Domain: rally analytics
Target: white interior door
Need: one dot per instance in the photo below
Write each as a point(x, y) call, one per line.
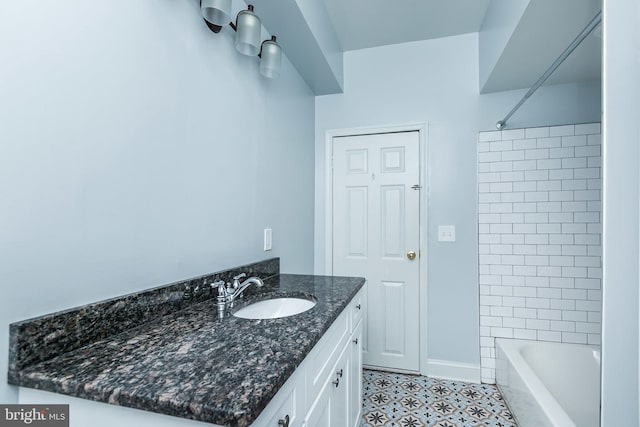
point(376, 226)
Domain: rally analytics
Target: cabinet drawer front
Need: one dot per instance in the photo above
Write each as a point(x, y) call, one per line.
point(358, 306)
point(323, 357)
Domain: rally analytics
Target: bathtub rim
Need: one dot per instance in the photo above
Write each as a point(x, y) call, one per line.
point(511, 348)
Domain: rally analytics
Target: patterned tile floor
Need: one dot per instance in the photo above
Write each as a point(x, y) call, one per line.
point(413, 401)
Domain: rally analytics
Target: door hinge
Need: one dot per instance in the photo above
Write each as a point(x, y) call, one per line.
point(416, 187)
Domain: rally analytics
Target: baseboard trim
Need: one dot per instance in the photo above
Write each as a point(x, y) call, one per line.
point(456, 371)
point(394, 370)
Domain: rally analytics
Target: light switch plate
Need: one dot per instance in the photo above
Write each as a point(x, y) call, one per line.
point(268, 239)
point(446, 233)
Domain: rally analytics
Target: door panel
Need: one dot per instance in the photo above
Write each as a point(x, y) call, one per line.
point(357, 161)
point(393, 301)
point(356, 219)
point(376, 216)
point(392, 160)
point(392, 232)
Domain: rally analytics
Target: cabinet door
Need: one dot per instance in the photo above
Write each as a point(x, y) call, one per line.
point(320, 413)
point(289, 408)
point(355, 384)
point(340, 394)
point(324, 357)
point(331, 408)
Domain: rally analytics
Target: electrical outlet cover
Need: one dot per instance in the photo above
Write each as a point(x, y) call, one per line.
point(268, 239)
point(446, 233)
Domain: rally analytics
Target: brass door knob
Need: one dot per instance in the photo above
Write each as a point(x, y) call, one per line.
point(411, 255)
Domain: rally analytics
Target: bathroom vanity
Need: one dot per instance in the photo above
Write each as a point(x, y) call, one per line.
point(185, 366)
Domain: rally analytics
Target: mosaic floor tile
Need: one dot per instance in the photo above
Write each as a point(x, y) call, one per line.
point(397, 400)
point(410, 421)
point(375, 418)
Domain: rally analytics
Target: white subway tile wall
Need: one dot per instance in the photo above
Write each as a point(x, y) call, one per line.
point(539, 213)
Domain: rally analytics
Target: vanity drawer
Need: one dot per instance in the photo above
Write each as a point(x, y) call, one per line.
point(358, 307)
point(323, 357)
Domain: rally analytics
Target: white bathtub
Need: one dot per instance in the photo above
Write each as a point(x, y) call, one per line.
point(549, 384)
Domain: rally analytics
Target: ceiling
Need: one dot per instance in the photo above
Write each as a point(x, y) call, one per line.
point(546, 28)
point(361, 24)
point(544, 31)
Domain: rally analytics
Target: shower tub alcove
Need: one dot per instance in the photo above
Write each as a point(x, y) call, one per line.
point(549, 384)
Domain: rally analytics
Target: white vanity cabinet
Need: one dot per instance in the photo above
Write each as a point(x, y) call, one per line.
point(325, 390)
point(339, 403)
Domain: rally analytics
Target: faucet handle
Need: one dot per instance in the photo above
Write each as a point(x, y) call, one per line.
point(223, 294)
point(236, 279)
point(217, 285)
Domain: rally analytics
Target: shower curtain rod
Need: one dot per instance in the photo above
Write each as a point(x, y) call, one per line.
point(574, 44)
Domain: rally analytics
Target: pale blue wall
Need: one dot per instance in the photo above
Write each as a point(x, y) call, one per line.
point(139, 148)
point(501, 19)
point(621, 214)
point(548, 106)
point(319, 22)
point(306, 35)
point(436, 81)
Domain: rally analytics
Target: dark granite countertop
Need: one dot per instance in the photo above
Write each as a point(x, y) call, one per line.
point(190, 364)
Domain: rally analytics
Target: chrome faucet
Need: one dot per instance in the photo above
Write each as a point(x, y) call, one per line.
point(238, 288)
point(228, 294)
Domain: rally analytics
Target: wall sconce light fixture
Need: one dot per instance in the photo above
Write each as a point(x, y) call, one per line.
point(270, 58)
point(216, 14)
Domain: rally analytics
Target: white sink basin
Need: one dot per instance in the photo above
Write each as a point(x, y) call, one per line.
point(275, 308)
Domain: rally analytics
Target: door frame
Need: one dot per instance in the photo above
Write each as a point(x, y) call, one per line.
point(422, 129)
